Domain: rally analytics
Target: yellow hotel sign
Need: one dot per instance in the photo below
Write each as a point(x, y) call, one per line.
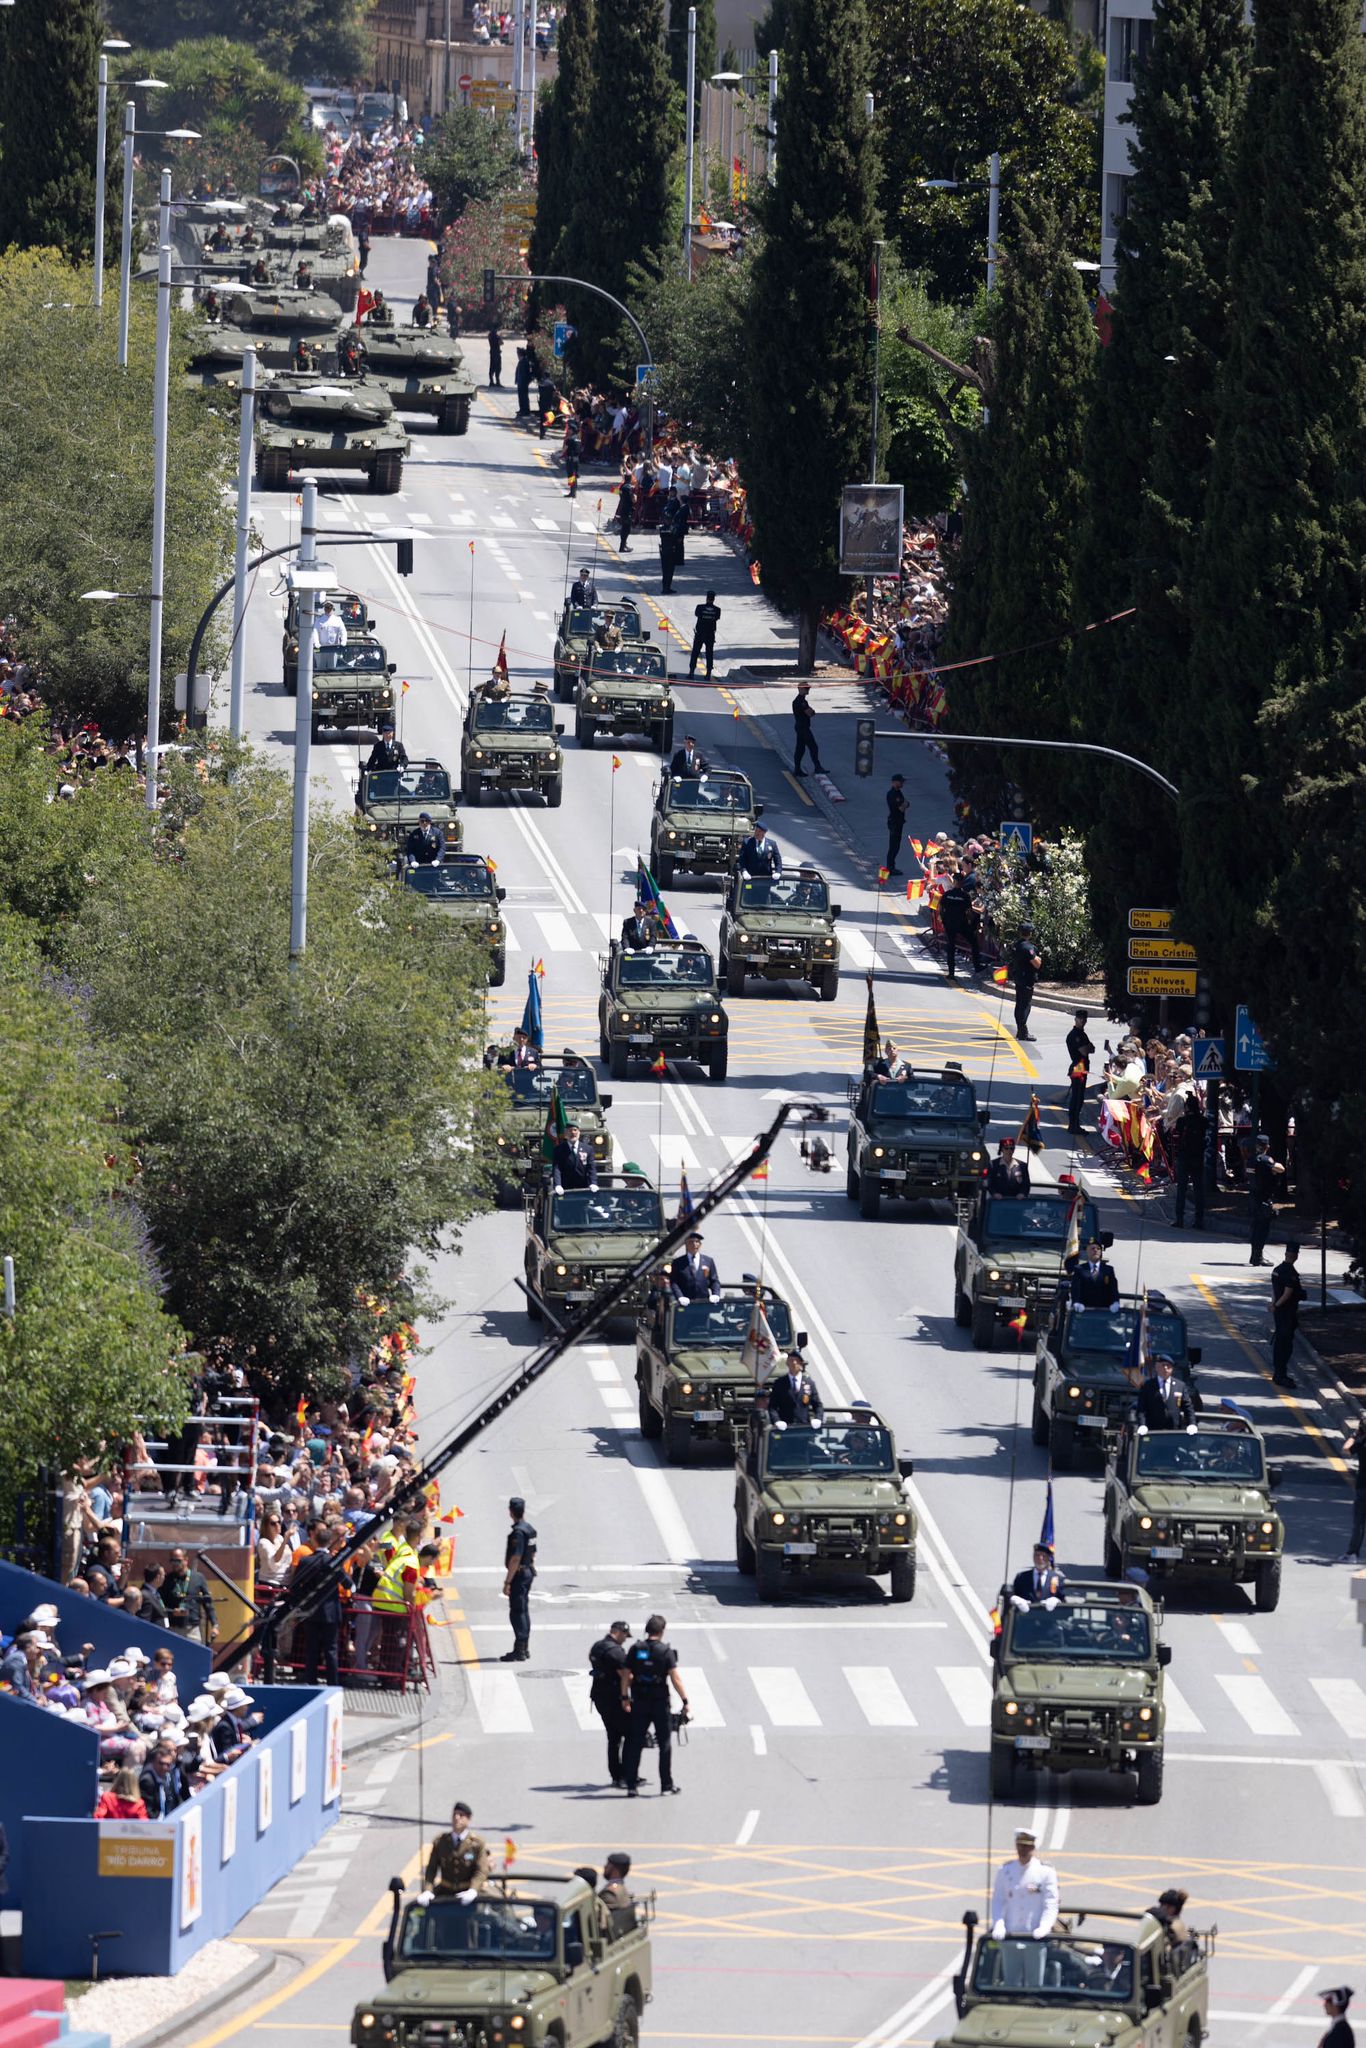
point(1161, 949)
point(1150, 920)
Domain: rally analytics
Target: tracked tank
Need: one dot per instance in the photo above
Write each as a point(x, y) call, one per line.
point(423, 371)
point(304, 422)
point(329, 249)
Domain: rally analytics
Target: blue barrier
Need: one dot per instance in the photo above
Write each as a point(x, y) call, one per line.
point(107, 1629)
point(47, 1765)
point(169, 1886)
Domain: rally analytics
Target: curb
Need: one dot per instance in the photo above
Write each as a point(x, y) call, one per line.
point(365, 1743)
point(204, 2008)
point(1325, 1382)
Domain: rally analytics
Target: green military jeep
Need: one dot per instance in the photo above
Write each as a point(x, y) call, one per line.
point(1099, 1976)
point(350, 609)
point(825, 1499)
point(511, 743)
point(700, 823)
point(534, 1959)
point(626, 689)
point(1080, 1688)
point(695, 1370)
point(520, 1163)
point(918, 1136)
point(462, 887)
point(577, 635)
point(663, 1003)
point(1085, 1376)
point(780, 928)
point(578, 1240)
point(1193, 1504)
point(351, 686)
point(1009, 1258)
point(389, 802)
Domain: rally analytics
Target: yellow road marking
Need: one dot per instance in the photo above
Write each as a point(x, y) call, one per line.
point(788, 776)
point(1287, 1399)
point(310, 1974)
point(999, 1028)
point(431, 1741)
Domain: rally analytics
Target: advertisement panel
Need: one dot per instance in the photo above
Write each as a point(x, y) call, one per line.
point(870, 530)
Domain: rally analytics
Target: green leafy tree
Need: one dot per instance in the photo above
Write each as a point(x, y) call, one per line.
point(1273, 817)
point(771, 29)
point(90, 1352)
point(49, 107)
point(53, 854)
point(678, 42)
point(621, 176)
point(561, 126)
point(244, 110)
point(328, 38)
point(469, 156)
point(1054, 896)
point(953, 81)
point(925, 427)
point(697, 332)
point(75, 491)
point(325, 1124)
point(1149, 441)
point(810, 374)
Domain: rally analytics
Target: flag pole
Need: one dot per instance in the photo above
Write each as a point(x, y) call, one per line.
point(471, 647)
point(611, 848)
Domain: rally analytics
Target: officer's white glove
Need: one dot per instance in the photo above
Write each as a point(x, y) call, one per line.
point(998, 1932)
point(1051, 1603)
point(1191, 1429)
point(1038, 1934)
point(424, 1898)
point(1019, 1603)
point(466, 1898)
point(777, 1424)
point(814, 1420)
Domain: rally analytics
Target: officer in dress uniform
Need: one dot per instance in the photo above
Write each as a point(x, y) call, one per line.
point(1163, 1402)
point(458, 1866)
point(573, 1164)
point(1041, 1583)
point(1024, 1902)
point(792, 1396)
point(1093, 1282)
point(519, 1569)
point(640, 932)
point(606, 1664)
point(761, 855)
point(693, 1276)
point(425, 844)
point(387, 752)
point(1335, 2004)
point(1008, 1175)
point(688, 759)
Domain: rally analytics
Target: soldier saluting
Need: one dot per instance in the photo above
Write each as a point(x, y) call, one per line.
point(458, 1867)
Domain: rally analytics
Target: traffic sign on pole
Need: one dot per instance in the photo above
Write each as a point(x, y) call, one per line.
point(465, 81)
point(1209, 1058)
point(1161, 949)
point(561, 335)
point(1250, 1055)
point(1161, 981)
point(1150, 920)
point(1017, 836)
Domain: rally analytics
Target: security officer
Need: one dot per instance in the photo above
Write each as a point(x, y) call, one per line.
point(1335, 2004)
point(626, 512)
point(955, 914)
point(1268, 1178)
point(519, 1569)
point(1025, 962)
point(387, 752)
point(640, 932)
point(651, 1668)
point(693, 1276)
point(761, 855)
point(803, 732)
point(1008, 1175)
point(1287, 1292)
point(708, 617)
point(673, 532)
point(792, 1396)
point(688, 759)
point(1093, 1280)
point(573, 1164)
point(897, 808)
point(1192, 1139)
point(458, 1866)
point(495, 357)
point(1079, 1051)
point(607, 1691)
point(425, 844)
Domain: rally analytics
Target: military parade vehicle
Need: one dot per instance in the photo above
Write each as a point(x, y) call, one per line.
point(917, 1136)
point(700, 823)
point(422, 370)
point(534, 1958)
point(390, 801)
point(511, 743)
point(696, 1367)
point(811, 1501)
point(1079, 1688)
point(522, 1126)
point(1195, 1504)
point(662, 1003)
point(463, 889)
point(1009, 1258)
point(780, 928)
point(328, 247)
point(577, 635)
point(626, 689)
point(1086, 1370)
point(305, 422)
point(1100, 1976)
point(349, 608)
point(578, 1240)
point(275, 318)
point(351, 686)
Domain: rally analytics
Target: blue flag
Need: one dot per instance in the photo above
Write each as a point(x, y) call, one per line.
point(684, 1197)
point(647, 888)
point(1137, 1349)
point(531, 1015)
point(1046, 1533)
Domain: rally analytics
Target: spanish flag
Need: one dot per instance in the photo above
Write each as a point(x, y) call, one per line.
point(1000, 975)
point(509, 1851)
point(761, 1171)
point(661, 1065)
point(918, 848)
point(500, 664)
point(883, 875)
point(616, 762)
point(755, 572)
point(1019, 1323)
point(301, 1413)
point(914, 890)
point(454, 1515)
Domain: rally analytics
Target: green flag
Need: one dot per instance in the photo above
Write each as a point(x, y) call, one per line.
point(872, 1043)
point(556, 1124)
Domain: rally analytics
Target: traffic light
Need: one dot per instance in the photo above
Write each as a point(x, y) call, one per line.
point(865, 730)
point(490, 288)
point(404, 550)
point(1202, 999)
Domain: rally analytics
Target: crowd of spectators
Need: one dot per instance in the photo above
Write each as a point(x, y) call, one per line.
point(489, 24)
point(900, 644)
point(376, 180)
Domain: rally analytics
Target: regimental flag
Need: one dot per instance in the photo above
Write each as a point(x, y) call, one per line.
point(500, 660)
point(872, 1037)
point(1028, 1133)
point(660, 1065)
point(759, 1353)
point(684, 1197)
point(556, 1126)
point(1137, 1350)
point(364, 301)
point(1072, 1248)
point(531, 1014)
point(1046, 1532)
point(648, 888)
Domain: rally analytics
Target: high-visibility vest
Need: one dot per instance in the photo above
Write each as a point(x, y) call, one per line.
point(391, 1594)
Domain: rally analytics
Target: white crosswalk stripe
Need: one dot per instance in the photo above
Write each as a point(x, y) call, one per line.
point(703, 1710)
point(557, 931)
point(970, 1690)
point(857, 950)
point(1346, 1702)
point(1341, 1789)
point(879, 1695)
point(1182, 1718)
point(1253, 1698)
point(499, 1703)
point(576, 1691)
point(785, 1699)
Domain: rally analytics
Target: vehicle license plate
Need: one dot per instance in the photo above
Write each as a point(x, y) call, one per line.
point(1031, 1742)
point(581, 1294)
point(640, 1038)
point(1011, 1301)
point(709, 1415)
point(1168, 1550)
point(1091, 1421)
point(799, 1550)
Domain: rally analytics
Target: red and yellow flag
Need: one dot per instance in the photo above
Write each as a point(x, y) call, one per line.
point(761, 1171)
point(616, 762)
point(1000, 975)
point(918, 848)
point(884, 874)
point(454, 1515)
point(509, 1851)
point(661, 1065)
point(301, 1413)
point(914, 891)
point(1019, 1323)
point(500, 660)
point(755, 572)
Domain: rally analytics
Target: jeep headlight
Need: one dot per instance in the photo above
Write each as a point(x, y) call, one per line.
point(714, 1017)
point(479, 753)
point(878, 1152)
point(828, 944)
point(553, 756)
point(993, 1273)
point(1145, 1521)
point(560, 1271)
point(1074, 1393)
point(365, 2019)
point(780, 1520)
point(1268, 1528)
point(1012, 1707)
point(685, 1387)
point(976, 1158)
point(501, 1142)
point(673, 835)
point(900, 1521)
point(592, 696)
point(495, 928)
point(516, 2022)
point(1145, 1713)
point(623, 1016)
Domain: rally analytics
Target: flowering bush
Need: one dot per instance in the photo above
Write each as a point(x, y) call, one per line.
point(1052, 892)
point(483, 239)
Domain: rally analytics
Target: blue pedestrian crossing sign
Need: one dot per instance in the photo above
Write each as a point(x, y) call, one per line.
point(1250, 1055)
point(1209, 1058)
point(1017, 836)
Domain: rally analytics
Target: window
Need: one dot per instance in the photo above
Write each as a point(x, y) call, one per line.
point(1130, 40)
point(1116, 201)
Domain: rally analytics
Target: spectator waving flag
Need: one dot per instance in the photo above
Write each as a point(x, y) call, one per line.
point(531, 1015)
point(759, 1354)
point(556, 1125)
point(647, 888)
point(1046, 1533)
point(364, 301)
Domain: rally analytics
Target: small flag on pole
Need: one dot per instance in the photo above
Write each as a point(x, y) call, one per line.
point(1046, 1532)
point(883, 875)
point(509, 1851)
point(471, 547)
point(761, 1171)
point(872, 1037)
point(1020, 1323)
point(405, 687)
point(759, 1354)
point(914, 890)
point(1000, 975)
point(684, 1197)
point(454, 1515)
point(660, 1066)
point(500, 662)
point(917, 845)
point(301, 1412)
point(616, 762)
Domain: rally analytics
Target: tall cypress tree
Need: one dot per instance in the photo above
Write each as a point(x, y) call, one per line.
point(810, 373)
point(1272, 833)
point(561, 117)
point(1149, 441)
point(678, 41)
point(49, 106)
point(619, 203)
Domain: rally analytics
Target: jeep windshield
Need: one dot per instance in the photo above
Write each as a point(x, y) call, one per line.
point(707, 794)
point(783, 892)
point(1057, 1969)
point(624, 1209)
point(950, 1102)
point(1107, 1331)
point(1230, 1460)
point(665, 970)
point(723, 1325)
point(533, 1084)
point(834, 1447)
point(353, 659)
point(1108, 1632)
point(487, 1931)
point(450, 884)
point(627, 661)
point(397, 785)
point(1034, 1219)
point(501, 714)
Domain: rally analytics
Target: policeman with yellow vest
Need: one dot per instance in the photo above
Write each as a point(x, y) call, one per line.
point(394, 1595)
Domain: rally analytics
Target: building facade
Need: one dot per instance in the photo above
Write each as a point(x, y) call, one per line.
point(422, 48)
point(1128, 35)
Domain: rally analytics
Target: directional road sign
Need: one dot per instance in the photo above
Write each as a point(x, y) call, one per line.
point(1250, 1055)
point(1161, 981)
point(1209, 1058)
point(1161, 949)
point(561, 336)
point(1017, 836)
point(1150, 920)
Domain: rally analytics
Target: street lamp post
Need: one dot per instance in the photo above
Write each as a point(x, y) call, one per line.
point(993, 219)
point(518, 23)
point(690, 144)
point(239, 603)
point(530, 79)
point(772, 114)
point(877, 379)
point(101, 155)
point(305, 580)
point(130, 131)
point(160, 409)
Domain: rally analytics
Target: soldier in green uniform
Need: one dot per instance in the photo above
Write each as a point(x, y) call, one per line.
point(458, 1866)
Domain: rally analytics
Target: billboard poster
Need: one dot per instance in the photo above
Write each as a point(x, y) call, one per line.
point(870, 530)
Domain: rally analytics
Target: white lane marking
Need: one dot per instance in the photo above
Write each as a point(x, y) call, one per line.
point(514, 944)
point(785, 1699)
point(499, 1703)
point(1182, 1718)
point(1297, 1984)
point(549, 864)
point(544, 617)
point(747, 1827)
point(856, 949)
point(970, 1691)
point(546, 525)
point(462, 518)
point(558, 934)
point(900, 2026)
point(501, 519)
point(1346, 1702)
point(387, 1768)
point(576, 1692)
point(604, 1369)
point(675, 1153)
point(1258, 1705)
point(760, 1741)
point(703, 1711)
point(667, 1515)
point(420, 518)
point(812, 1626)
point(1061, 1823)
point(376, 518)
point(1239, 1638)
point(881, 1698)
point(1041, 1816)
point(1340, 1789)
point(619, 1399)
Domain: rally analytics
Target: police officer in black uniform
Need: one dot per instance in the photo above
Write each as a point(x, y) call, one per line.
point(1025, 962)
point(673, 532)
point(652, 1667)
point(1335, 2004)
point(708, 617)
point(519, 1569)
point(897, 808)
point(760, 855)
point(955, 914)
point(1079, 1051)
point(607, 1664)
point(425, 844)
point(1287, 1292)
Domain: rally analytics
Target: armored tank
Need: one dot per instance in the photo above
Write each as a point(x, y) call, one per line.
point(285, 310)
point(306, 423)
point(422, 371)
point(329, 249)
point(270, 321)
